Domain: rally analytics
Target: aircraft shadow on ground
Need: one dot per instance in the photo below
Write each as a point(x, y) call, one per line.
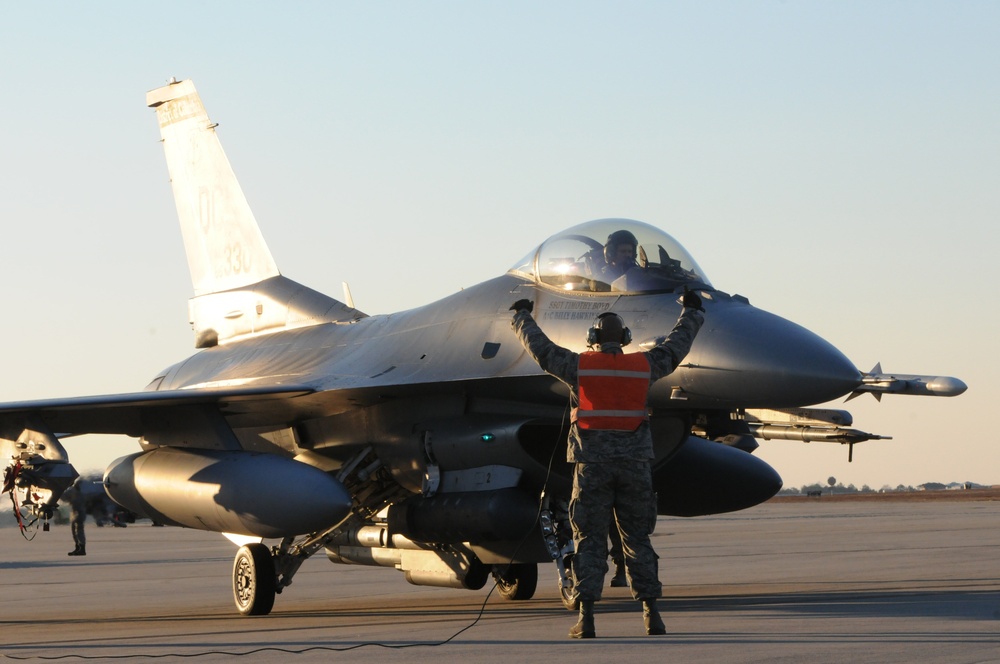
point(957, 604)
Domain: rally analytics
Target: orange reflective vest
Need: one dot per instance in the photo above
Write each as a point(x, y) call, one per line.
point(612, 389)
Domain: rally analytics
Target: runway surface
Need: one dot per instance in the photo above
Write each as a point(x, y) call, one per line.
point(783, 582)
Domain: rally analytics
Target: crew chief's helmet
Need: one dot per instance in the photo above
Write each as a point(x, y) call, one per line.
point(609, 326)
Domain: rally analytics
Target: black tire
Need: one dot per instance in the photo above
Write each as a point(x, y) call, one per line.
point(517, 581)
point(254, 580)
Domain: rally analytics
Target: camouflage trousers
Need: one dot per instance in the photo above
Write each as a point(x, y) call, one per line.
point(602, 492)
point(76, 528)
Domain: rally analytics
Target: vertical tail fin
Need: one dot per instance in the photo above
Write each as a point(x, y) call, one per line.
point(238, 289)
point(225, 248)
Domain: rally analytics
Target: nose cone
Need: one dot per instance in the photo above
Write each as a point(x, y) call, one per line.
point(749, 357)
point(946, 386)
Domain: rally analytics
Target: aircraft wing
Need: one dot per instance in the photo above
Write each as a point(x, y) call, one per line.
point(132, 413)
point(40, 470)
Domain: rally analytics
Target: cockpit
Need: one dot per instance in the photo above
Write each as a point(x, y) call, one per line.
point(612, 255)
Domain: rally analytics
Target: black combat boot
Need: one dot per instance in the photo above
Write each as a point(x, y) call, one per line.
point(78, 551)
point(651, 616)
point(584, 628)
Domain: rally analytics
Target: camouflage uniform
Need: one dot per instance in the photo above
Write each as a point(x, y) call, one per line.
point(77, 516)
point(612, 473)
point(615, 544)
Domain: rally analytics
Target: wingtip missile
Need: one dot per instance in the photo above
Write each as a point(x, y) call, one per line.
point(877, 383)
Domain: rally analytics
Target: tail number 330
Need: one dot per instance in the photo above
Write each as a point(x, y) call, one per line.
point(235, 260)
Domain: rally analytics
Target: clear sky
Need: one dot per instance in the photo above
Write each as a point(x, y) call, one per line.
point(835, 162)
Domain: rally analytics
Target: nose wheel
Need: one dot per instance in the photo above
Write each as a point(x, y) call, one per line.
point(254, 580)
point(567, 584)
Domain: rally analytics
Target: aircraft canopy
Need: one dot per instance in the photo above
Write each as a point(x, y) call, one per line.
point(581, 259)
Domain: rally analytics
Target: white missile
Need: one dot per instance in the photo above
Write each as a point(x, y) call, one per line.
point(877, 383)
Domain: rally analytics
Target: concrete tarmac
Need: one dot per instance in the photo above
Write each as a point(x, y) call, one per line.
point(783, 582)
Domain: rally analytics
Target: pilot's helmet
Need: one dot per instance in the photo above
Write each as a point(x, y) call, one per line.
point(609, 326)
point(615, 239)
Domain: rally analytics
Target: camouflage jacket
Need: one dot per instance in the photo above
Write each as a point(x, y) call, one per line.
point(595, 445)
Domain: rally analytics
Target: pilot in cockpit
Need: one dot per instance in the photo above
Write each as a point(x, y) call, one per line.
point(619, 255)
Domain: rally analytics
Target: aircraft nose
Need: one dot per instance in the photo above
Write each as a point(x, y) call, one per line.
point(748, 356)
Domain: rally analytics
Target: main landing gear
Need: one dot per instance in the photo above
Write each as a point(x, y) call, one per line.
point(254, 580)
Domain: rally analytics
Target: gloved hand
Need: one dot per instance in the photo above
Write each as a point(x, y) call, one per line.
point(527, 305)
point(691, 300)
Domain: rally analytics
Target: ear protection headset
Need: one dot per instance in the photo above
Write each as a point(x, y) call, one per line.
point(608, 323)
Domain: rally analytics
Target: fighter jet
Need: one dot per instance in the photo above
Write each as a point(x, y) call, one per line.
point(425, 440)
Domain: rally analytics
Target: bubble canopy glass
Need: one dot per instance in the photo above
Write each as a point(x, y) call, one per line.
point(579, 259)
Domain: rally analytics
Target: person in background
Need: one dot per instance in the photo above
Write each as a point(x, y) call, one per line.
point(77, 515)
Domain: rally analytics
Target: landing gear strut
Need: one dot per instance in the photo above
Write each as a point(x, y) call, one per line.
point(559, 541)
point(567, 585)
point(254, 580)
